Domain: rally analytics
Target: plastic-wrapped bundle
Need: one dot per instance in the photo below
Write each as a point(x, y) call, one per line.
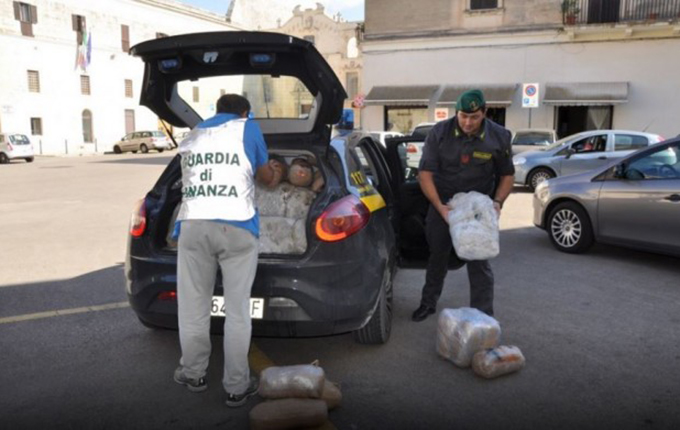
point(473, 224)
point(270, 201)
point(297, 202)
point(463, 332)
point(331, 394)
point(276, 236)
point(498, 361)
point(287, 414)
point(301, 381)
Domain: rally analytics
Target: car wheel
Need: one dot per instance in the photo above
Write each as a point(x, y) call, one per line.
point(569, 228)
point(4, 159)
point(117, 150)
point(29, 160)
point(539, 175)
point(160, 150)
point(379, 327)
point(143, 148)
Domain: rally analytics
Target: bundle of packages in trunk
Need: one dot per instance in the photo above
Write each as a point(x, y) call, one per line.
point(463, 332)
point(284, 414)
point(473, 224)
point(301, 381)
point(283, 218)
point(498, 361)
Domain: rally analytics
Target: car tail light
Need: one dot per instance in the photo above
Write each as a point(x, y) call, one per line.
point(138, 219)
point(168, 296)
point(411, 148)
point(342, 219)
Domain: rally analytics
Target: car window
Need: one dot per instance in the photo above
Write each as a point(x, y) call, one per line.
point(158, 134)
point(596, 143)
point(136, 136)
point(146, 134)
point(629, 142)
point(661, 164)
point(19, 139)
point(422, 131)
point(364, 164)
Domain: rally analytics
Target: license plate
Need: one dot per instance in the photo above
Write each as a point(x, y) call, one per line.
point(256, 307)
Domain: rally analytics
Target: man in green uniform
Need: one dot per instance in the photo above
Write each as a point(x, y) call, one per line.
point(465, 153)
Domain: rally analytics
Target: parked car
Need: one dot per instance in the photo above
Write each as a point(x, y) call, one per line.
point(531, 139)
point(143, 141)
point(180, 137)
point(578, 153)
point(381, 136)
point(351, 232)
point(414, 149)
point(15, 146)
point(632, 202)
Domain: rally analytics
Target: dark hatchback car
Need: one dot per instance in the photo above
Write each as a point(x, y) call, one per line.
point(327, 262)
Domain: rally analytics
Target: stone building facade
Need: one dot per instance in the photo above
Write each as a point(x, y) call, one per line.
point(68, 81)
point(598, 64)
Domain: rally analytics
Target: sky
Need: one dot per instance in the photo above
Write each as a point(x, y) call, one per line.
point(351, 10)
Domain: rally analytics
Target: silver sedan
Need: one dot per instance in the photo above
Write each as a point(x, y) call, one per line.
point(633, 202)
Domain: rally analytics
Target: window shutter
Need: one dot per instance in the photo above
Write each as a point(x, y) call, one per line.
point(125, 37)
point(17, 11)
point(74, 21)
point(34, 14)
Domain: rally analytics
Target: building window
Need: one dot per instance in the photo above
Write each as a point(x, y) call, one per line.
point(352, 84)
point(483, 4)
point(129, 121)
point(33, 81)
point(128, 88)
point(27, 15)
point(125, 37)
point(196, 95)
point(161, 35)
point(85, 85)
point(309, 38)
point(352, 48)
point(36, 126)
point(87, 126)
point(79, 26)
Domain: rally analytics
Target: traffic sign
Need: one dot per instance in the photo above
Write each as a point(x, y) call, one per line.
point(530, 95)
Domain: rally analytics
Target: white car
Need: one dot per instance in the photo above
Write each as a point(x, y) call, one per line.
point(143, 141)
point(15, 146)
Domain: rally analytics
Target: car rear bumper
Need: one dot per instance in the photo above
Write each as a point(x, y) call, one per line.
point(330, 298)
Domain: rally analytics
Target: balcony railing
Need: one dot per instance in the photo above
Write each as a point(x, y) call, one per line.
point(578, 12)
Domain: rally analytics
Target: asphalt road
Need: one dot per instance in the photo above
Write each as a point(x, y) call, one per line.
point(599, 331)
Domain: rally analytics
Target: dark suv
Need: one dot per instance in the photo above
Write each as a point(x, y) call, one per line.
point(327, 257)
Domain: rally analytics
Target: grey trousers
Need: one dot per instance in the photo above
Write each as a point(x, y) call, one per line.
point(479, 272)
point(202, 246)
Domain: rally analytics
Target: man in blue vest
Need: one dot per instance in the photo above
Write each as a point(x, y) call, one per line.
point(221, 159)
point(465, 153)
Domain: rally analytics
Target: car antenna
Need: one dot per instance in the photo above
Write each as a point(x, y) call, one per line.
point(644, 130)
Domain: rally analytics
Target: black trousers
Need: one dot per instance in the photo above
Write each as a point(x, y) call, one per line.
point(479, 272)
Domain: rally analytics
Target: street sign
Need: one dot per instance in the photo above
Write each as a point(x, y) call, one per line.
point(441, 114)
point(529, 95)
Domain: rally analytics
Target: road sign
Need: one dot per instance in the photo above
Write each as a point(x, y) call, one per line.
point(529, 95)
point(440, 114)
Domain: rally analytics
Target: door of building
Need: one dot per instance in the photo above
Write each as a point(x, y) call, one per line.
point(575, 119)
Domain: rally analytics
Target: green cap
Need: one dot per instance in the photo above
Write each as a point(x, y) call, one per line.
point(470, 101)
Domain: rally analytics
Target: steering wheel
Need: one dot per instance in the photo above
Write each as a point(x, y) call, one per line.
point(668, 171)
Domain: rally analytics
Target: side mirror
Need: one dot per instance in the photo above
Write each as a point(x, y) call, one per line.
point(620, 171)
point(570, 152)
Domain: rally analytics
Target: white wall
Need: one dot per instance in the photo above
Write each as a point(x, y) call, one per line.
point(52, 52)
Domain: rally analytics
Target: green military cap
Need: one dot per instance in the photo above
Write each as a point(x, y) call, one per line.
point(470, 101)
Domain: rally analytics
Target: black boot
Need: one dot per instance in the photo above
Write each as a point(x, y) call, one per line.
point(422, 312)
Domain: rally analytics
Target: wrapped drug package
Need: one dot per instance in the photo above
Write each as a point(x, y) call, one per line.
point(498, 361)
point(463, 332)
point(473, 224)
point(287, 414)
point(301, 381)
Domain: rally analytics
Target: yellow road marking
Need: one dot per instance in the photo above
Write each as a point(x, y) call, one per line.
point(60, 312)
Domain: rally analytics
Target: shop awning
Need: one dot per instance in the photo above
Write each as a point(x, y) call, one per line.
point(586, 93)
point(401, 95)
point(495, 95)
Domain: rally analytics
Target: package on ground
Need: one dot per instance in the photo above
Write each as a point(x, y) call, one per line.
point(463, 332)
point(331, 395)
point(498, 361)
point(287, 414)
point(301, 381)
point(473, 224)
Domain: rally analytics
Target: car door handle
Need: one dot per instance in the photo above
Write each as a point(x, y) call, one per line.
point(602, 157)
point(673, 198)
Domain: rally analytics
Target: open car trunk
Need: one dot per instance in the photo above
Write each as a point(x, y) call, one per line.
point(284, 212)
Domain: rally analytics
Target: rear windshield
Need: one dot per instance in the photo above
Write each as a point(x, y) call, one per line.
point(279, 97)
point(19, 139)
